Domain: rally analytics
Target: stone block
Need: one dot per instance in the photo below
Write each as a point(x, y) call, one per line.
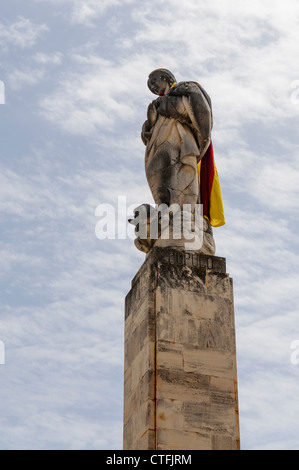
point(180, 381)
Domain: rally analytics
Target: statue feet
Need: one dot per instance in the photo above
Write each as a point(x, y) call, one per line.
point(165, 226)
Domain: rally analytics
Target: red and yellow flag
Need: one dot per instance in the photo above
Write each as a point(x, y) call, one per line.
point(210, 189)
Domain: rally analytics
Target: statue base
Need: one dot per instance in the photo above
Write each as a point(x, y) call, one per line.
point(185, 230)
point(180, 378)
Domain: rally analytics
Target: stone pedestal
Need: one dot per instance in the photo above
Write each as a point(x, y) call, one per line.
point(180, 390)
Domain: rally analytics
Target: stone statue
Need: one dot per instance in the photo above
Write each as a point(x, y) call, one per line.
point(177, 135)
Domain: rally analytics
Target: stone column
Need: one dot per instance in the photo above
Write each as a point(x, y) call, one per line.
point(180, 389)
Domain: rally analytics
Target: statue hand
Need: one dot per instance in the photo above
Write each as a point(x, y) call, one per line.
point(152, 113)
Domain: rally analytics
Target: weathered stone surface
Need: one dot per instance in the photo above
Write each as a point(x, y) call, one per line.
point(180, 358)
point(182, 440)
point(178, 166)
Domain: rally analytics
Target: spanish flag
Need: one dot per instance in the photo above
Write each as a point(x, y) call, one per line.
point(210, 189)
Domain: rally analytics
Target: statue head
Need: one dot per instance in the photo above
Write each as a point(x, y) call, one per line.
point(160, 80)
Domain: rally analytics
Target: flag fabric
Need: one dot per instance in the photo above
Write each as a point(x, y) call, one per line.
point(210, 189)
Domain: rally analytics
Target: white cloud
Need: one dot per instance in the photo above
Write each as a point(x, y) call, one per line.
point(233, 54)
point(21, 33)
point(244, 56)
point(51, 59)
point(75, 333)
point(87, 11)
point(277, 186)
point(19, 78)
point(99, 97)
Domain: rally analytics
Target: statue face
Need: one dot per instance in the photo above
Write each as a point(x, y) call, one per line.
point(157, 84)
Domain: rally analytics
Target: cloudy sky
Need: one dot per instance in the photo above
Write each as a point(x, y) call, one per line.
point(75, 74)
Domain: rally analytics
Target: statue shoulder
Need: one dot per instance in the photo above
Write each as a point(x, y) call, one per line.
point(184, 89)
point(192, 89)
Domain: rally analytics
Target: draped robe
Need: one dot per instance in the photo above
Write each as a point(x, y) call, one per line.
point(177, 135)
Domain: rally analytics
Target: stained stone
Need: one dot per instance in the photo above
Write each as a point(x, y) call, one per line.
point(180, 388)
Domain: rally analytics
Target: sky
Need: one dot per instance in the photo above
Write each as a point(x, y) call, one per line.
point(75, 74)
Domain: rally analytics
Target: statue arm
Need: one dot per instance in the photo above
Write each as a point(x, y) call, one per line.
point(201, 118)
point(199, 108)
